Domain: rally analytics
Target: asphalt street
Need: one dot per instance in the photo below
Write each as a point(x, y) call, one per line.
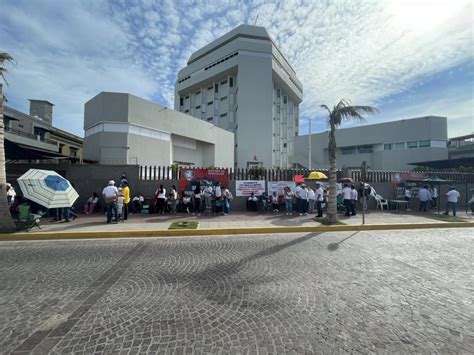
point(394, 291)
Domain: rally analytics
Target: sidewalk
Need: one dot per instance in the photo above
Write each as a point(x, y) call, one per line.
point(232, 224)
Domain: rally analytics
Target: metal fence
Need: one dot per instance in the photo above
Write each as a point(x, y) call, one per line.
point(156, 173)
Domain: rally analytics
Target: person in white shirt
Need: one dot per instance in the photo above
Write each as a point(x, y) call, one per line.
point(299, 204)
point(304, 200)
point(424, 196)
point(288, 201)
point(110, 195)
point(173, 199)
point(319, 196)
point(137, 203)
point(120, 203)
point(274, 201)
point(208, 192)
point(346, 195)
point(227, 200)
point(453, 197)
point(354, 197)
point(252, 202)
point(160, 195)
point(311, 200)
point(434, 196)
point(11, 193)
point(91, 203)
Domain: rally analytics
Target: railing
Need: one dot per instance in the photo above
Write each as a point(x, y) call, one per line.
point(29, 135)
point(386, 176)
point(148, 172)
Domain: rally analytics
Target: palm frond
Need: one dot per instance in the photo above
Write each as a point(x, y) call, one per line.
point(326, 108)
point(354, 112)
point(4, 58)
point(343, 103)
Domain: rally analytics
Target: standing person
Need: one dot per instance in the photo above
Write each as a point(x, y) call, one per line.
point(160, 195)
point(110, 195)
point(92, 201)
point(288, 201)
point(122, 179)
point(319, 196)
point(11, 193)
point(471, 203)
point(346, 195)
point(208, 198)
point(298, 190)
point(126, 198)
point(424, 196)
point(120, 204)
point(407, 197)
point(173, 199)
point(219, 199)
point(434, 196)
point(304, 200)
point(197, 199)
point(227, 200)
point(311, 200)
point(263, 202)
point(354, 198)
point(453, 197)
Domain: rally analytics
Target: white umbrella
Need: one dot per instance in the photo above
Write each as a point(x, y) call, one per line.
point(47, 188)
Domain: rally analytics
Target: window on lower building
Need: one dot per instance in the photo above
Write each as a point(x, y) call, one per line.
point(187, 97)
point(181, 101)
point(387, 146)
point(284, 145)
point(364, 149)
point(223, 98)
point(209, 88)
point(285, 99)
point(210, 103)
point(198, 92)
point(210, 118)
point(198, 107)
point(412, 144)
point(216, 88)
point(348, 150)
point(223, 82)
point(186, 111)
point(223, 115)
point(231, 82)
point(423, 144)
point(278, 92)
point(400, 145)
point(73, 152)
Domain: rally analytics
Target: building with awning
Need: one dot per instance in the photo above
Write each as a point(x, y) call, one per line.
point(33, 137)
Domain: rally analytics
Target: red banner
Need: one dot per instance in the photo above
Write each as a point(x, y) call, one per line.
point(189, 178)
point(399, 183)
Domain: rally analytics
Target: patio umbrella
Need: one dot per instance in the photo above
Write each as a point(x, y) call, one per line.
point(346, 180)
point(316, 175)
point(47, 188)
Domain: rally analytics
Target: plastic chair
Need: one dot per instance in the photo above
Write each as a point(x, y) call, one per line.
point(27, 220)
point(381, 202)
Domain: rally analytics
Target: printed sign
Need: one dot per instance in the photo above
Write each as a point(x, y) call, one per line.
point(279, 186)
point(246, 187)
point(189, 178)
point(399, 184)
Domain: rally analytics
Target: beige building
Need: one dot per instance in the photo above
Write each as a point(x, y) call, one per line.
point(33, 137)
point(125, 129)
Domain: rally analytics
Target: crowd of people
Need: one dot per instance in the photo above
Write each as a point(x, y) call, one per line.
point(428, 198)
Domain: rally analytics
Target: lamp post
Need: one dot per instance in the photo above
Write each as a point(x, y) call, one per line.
point(309, 145)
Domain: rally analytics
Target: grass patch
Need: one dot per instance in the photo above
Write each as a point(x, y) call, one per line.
point(445, 218)
point(325, 222)
point(184, 225)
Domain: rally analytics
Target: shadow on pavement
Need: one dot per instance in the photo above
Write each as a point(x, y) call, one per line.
point(335, 246)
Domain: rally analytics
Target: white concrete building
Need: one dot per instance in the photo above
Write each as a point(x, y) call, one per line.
point(242, 83)
point(383, 146)
point(125, 129)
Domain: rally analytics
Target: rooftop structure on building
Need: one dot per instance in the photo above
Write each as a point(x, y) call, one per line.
point(33, 137)
point(125, 129)
point(384, 146)
point(241, 82)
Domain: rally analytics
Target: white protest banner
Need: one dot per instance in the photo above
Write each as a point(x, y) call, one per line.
point(279, 186)
point(246, 187)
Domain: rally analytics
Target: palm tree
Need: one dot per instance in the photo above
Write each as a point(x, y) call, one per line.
point(6, 222)
point(341, 112)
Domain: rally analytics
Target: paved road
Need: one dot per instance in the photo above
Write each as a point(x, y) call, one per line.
point(365, 292)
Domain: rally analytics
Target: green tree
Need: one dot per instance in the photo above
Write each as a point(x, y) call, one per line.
point(343, 111)
point(6, 222)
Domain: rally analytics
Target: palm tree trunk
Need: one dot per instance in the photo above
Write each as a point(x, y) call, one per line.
point(332, 198)
point(6, 221)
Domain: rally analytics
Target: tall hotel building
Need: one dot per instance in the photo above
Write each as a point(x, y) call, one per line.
point(241, 82)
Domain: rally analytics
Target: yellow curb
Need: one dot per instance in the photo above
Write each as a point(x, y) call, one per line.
point(223, 231)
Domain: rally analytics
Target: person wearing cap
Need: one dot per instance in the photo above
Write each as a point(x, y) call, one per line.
point(110, 195)
point(453, 197)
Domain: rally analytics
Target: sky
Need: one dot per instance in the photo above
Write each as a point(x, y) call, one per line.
point(408, 58)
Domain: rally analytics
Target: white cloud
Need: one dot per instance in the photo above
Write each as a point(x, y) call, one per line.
point(363, 50)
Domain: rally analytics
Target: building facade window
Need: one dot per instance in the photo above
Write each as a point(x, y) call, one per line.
point(231, 82)
point(348, 150)
point(364, 149)
point(413, 144)
point(425, 143)
point(181, 101)
point(216, 88)
point(73, 152)
point(387, 146)
point(400, 145)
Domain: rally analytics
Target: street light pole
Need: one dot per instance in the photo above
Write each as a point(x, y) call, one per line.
point(309, 145)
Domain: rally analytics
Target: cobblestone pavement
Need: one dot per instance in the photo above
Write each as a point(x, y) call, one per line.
point(383, 292)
